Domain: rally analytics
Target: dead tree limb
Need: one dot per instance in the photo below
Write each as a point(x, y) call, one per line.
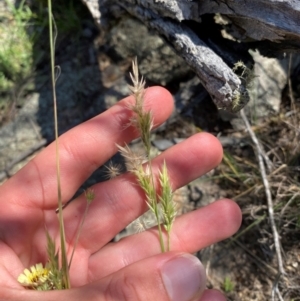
point(220, 81)
point(198, 30)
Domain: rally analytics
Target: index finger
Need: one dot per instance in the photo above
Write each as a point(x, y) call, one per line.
point(82, 150)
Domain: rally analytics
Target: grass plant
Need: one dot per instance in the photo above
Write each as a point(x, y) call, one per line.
point(240, 178)
point(54, 275)
point(162, 205)
point(228, 285)
point(65, 278)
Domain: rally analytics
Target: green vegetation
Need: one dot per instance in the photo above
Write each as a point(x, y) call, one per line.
point(25, 43)
point(142, 120)
point(16, 48)
point(228, 285)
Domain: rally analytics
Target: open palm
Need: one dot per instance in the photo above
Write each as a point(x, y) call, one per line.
point(128, 269)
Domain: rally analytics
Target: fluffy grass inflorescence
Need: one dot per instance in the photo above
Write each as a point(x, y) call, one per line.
point(142, 120)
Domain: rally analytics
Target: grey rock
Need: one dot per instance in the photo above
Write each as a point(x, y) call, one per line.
point(162, 144)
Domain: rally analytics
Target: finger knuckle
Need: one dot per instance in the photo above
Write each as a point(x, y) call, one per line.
point(123, 289)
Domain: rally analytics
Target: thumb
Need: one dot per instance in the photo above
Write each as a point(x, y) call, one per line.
point(165, 277)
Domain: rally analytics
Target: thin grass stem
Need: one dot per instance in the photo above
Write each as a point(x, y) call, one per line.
point(79, 232)
point(64, 260)
point(155, 205)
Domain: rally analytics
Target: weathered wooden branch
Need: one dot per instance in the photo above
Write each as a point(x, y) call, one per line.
point(219, 80)
point(272, 26)
point(272, 20)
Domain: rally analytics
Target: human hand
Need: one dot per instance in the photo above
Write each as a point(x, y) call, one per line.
point(133, 268)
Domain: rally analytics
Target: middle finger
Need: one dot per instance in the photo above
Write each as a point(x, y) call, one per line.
point(120, 201)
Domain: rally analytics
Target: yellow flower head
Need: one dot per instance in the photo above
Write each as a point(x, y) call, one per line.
point(34, 277)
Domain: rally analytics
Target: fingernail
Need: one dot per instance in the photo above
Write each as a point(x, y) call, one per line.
point(183, 277)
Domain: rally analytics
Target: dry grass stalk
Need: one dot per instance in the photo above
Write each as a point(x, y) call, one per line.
point(268, 194)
